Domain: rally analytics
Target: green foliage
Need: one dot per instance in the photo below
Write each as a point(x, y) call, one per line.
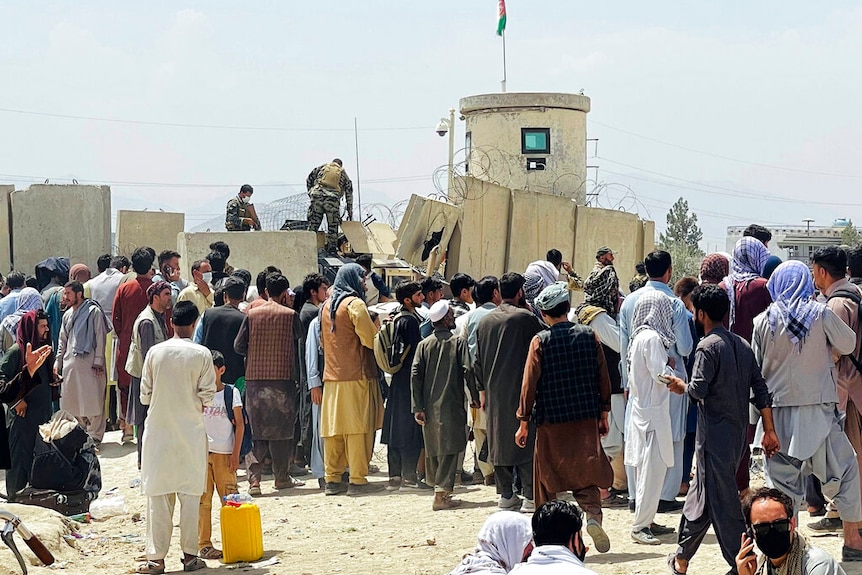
point(681, 239)
point(850, 236)
point(682, 226)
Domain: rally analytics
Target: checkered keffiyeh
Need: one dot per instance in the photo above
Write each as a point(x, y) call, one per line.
point(539, 275)
point(749, 257)
point(714, 268)
point(602, 289)
point(792, 289)
point(654, 310)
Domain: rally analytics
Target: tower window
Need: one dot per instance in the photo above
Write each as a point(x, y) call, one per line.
point(535, 140)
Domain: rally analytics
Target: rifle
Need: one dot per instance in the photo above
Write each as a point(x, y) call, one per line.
point(251, 213)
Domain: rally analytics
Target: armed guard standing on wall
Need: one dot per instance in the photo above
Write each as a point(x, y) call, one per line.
point(240, 215)
point(326, 184)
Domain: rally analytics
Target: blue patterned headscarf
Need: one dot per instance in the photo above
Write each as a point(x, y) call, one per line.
point(749, 258)
point(348, 283)
point(792, 289)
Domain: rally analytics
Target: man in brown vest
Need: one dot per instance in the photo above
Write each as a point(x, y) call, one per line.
point(352, 408)
point(267, 340)
point(149, 329)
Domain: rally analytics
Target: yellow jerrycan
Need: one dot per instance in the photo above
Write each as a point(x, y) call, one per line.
point(241, 533)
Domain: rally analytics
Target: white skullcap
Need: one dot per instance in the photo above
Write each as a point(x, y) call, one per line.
point(438, 310)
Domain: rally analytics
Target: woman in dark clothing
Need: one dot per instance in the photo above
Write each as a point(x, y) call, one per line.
point(27, 387)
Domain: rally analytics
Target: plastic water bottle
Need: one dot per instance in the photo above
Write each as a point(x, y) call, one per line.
point(238, 498)
point(108, 507)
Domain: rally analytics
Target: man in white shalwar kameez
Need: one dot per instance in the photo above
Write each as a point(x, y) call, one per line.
point(81, 360)
point(178, 380)
point(649, 440)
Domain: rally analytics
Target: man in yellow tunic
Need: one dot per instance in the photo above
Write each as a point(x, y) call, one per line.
point(352, 408)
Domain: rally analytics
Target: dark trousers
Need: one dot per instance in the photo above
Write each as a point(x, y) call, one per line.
point(139, 434)
point(814, 492)
point(504, 477)
point(721, 509)
point(22, 442)
point(688, 456)
point(441, 470)
point(281, 451)
point(403, 462)
point(743, 474)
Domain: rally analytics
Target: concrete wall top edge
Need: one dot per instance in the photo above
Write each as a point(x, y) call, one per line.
point(481, 102)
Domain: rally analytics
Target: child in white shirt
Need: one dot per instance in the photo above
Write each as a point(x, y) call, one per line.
point(224, 447)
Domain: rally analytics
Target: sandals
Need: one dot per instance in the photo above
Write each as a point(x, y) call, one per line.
point(671, 563)
point(151, 568)
point(210, 553)
point(193, 564)
point(292, 482)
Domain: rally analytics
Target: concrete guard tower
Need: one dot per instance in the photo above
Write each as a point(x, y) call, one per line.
point(533, 141)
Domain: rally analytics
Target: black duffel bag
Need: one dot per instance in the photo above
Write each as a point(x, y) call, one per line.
point(64, 502)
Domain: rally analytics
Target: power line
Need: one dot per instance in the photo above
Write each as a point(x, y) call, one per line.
point(198, 185)
point(724, 191)
point(205, 126)
point(728, 158)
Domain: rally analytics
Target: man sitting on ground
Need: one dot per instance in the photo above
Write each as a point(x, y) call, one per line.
point(560, 546)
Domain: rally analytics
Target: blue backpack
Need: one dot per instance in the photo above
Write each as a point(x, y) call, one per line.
point(245, 449)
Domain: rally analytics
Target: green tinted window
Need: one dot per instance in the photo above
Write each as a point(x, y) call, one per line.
point(535, 141)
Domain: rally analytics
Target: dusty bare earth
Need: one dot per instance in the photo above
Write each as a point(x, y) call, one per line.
point(310, 534)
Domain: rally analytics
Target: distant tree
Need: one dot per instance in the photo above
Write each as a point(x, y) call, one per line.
point(681, 226)
point(681, 239)
point(850, 236)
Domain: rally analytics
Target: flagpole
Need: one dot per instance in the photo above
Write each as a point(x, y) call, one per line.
point(503, 83)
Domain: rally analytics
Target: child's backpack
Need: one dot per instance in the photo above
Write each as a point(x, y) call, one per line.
point(245, 449)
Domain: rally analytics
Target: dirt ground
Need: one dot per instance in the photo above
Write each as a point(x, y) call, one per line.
point(308, 533)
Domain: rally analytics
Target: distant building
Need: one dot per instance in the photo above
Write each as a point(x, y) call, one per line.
point(792, 242)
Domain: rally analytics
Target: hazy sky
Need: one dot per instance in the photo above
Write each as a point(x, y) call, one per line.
point(759, 101)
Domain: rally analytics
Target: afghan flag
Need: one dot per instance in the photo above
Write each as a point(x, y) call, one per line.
point(501, 17)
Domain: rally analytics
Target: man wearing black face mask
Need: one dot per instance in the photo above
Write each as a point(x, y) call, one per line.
point(770, 519)
point(560, 547)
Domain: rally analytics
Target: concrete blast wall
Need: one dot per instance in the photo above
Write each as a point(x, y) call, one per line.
point(478, 246)
point(630, 237)
point(504, 230)
point(539, 223)
point(157, 230)
point(5, 229)
point(70, 221)
point(294, 253)
point(422, 218)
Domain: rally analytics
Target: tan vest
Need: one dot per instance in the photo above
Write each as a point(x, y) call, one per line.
point(330, 177)
point(135, 361)
point(345, 358)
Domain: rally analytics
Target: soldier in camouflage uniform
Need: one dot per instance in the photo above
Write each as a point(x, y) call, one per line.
point(326, 184)
point(236, 219)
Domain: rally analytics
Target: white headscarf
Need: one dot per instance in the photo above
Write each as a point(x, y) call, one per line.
point(654, 310)
point(502, 540)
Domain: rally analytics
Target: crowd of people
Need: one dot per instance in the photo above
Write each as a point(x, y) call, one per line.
point(625, 400)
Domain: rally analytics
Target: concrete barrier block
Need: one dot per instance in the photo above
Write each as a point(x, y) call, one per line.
point(5, 229)
point(539, 222)
point(157, 230)
point(294, 253)
point(71, 221)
